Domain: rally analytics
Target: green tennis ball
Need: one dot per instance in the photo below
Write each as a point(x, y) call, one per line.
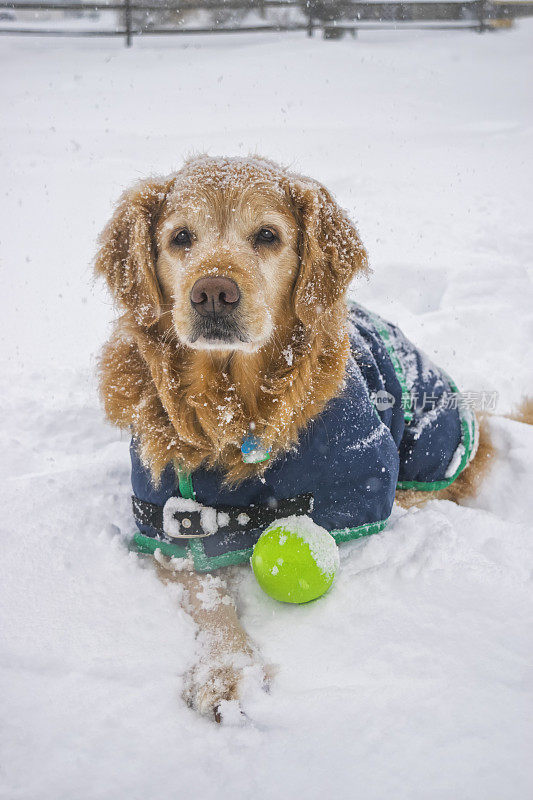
point(295, 560)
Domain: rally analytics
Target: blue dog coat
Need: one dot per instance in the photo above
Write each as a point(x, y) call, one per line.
point(397, 423)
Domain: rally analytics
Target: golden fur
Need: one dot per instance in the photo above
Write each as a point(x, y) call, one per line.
point(524, 412)
point(194, 405)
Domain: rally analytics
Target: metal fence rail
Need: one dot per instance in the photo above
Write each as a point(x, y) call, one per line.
point(334, 19)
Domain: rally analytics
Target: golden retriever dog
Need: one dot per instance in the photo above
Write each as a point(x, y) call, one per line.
point(219, 271)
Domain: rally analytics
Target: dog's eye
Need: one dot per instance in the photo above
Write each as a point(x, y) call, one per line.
point(182, 238)
point(265, 236)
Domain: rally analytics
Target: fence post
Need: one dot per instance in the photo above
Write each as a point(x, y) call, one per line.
point(481, 16)
point(308, 5)
point(127, 19)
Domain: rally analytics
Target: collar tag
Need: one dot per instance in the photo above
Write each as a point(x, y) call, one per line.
point(253, 452)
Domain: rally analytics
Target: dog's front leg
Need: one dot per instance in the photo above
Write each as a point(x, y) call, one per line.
point(226, 655)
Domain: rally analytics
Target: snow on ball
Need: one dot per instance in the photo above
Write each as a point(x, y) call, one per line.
point(295, 560)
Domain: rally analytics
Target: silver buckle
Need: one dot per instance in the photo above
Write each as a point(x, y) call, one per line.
point(173, 527)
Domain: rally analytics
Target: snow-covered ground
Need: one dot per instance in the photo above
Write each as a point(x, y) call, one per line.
point(410, 679)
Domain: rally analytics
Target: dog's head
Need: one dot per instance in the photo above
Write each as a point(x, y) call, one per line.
point(229, 250)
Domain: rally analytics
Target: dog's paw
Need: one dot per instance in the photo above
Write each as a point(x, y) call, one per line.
point(209, 689)
point(215, 688)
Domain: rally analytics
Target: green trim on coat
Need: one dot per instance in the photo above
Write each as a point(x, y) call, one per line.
point(396, 363)
point(468, 419)
point(468, 443)
point(204, 563)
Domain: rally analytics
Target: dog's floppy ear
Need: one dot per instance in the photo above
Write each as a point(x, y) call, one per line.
point(330, 250)
point(127, 254)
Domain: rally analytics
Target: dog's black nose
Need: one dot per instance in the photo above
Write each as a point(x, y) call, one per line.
point(216, 296)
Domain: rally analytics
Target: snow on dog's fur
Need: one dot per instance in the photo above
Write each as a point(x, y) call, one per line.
point(192, 404)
